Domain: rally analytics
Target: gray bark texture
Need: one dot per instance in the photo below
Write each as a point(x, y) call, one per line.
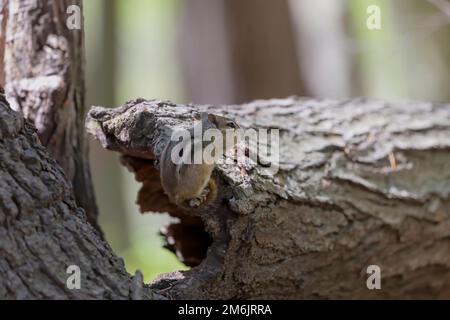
point(360, 183)
point(44, 76)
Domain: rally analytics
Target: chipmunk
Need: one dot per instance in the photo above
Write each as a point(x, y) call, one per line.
point(190, 185)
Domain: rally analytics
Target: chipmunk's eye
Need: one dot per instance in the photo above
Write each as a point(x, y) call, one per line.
point(231, 125)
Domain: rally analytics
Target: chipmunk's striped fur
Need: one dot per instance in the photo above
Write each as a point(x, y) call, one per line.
point(190, 185)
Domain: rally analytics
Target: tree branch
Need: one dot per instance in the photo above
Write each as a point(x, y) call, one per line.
point(360, 182)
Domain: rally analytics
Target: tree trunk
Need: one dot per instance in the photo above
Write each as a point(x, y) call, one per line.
point(360, 183)
point(3, 20)
point(326, 63)
point(101, 79)
point(45, 80)
point(43, 231)
point(222, 66)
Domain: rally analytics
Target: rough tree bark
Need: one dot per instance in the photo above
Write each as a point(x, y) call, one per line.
point(336, 206)
point(360, 183)
point(44, 75)
point(43, 231)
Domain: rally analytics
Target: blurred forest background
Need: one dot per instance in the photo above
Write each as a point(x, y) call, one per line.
point(233, 51)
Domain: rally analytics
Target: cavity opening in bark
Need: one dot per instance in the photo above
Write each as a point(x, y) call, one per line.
point(186, 237)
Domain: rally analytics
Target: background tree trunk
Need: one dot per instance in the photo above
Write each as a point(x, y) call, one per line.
point(223, 66)
point(3, 20)
point(44, 73)
point(326, 63)
point(101, 83)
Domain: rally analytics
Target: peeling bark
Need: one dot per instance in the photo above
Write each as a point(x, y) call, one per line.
point(360, 183)
point(45, 81)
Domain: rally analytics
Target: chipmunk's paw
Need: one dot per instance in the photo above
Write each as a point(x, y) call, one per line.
point(196, 202)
